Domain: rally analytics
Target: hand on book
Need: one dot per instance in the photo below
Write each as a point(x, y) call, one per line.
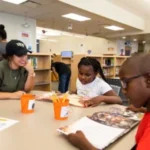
point(79, 140)
point(93, 102)
point(134, 109)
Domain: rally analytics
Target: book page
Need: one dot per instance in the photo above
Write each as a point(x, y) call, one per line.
point(113, 120)
point(74, 100)
point(98, 134)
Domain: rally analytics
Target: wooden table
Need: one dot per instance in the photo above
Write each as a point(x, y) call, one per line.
point(37, 131)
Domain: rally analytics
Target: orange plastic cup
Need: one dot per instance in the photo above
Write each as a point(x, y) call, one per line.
point(61, 110)
point(27, 103)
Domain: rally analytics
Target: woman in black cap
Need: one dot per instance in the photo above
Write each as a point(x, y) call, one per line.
point(3, 41)
point(16, 75)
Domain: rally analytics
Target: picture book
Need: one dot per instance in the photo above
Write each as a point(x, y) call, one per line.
point(102, 128)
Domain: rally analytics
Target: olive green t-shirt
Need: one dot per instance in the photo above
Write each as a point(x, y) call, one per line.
point(11, 80)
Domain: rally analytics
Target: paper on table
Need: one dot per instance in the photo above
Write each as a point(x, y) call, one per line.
point(6, 123)
point(98, 134)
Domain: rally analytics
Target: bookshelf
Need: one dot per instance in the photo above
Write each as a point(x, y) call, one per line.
point(110, 64)
point(119, 60)
point(42, 64)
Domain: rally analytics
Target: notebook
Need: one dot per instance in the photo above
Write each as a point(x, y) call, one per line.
point(102, 128)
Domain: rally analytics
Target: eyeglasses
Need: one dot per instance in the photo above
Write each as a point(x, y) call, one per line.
point(124, 82)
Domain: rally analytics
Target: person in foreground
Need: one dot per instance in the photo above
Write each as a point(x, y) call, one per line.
point(135, 78)
point(16, 75)
point(93, 87)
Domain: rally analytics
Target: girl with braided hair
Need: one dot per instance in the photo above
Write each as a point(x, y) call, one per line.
point(89, 85)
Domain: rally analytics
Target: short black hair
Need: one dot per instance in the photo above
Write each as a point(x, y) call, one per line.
point(3, 34)
point(89, 61)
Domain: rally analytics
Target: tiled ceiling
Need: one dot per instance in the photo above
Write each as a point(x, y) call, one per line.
point(48, 14)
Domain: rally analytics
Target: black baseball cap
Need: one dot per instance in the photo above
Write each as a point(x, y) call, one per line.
point(16, 47)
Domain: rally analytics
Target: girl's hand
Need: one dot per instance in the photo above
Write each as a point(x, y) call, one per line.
point(93, 102)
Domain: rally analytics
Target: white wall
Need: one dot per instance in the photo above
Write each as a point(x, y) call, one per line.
point(78, 45)
point(13, 27)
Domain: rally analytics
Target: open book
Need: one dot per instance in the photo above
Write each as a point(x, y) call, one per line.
point(102, 128)
point(73, 98)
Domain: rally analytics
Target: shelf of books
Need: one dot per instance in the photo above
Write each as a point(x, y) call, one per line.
point(42, 66)
point(110, 64)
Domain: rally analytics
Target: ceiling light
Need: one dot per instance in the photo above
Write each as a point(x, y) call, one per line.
point(144, 42)
point(124, 37)
point(114, 28)
point(17, 2)
point(76, 17)
point(134, 40)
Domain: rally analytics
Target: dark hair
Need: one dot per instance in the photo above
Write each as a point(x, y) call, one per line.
point(88, 61)
point(3, 34)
